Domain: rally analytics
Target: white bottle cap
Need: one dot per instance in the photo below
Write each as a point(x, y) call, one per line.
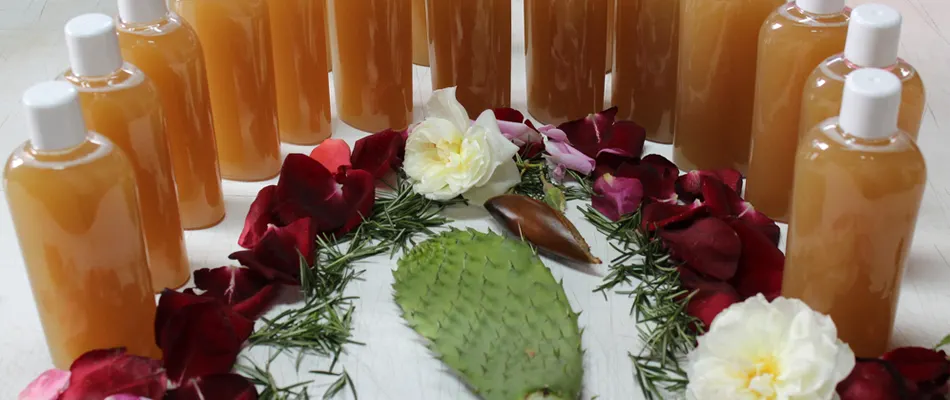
point(142, 11)
point(54, 116)
point(874, 36)
point(870, 104)
point(93, 45)
point(820, 6)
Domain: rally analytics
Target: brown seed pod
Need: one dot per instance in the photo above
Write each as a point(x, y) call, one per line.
point(540, 225)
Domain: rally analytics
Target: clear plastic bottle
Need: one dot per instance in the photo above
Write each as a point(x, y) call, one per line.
point(72, 198)
point(858, 185)
point(793, 40)
point(471, 50)
point(566, 45)
point(122, 104)
point(303, 89)
point(718, 41)
point(420, 35)
point(645, 60)
point(372, 62)
point(873, 40)
point(168, 51)
point(235, 38)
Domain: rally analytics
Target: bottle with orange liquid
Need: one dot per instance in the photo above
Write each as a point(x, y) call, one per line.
point(372, 62)
point(793, 40)
point(611, 32)
point(326, 34)
point(718, 42)
point(303, 89)
point(873, 40)
point(859, 181)
point(72, 198)
point(167, 50)
point(122, 104)
point(471, 50)
point(235, 39)
point(644, 80)
point(566, 44)
point(420, 35)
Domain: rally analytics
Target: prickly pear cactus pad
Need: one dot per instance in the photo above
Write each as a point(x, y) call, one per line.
point(493, 313)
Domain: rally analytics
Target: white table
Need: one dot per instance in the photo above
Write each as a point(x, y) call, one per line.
point(394, 363)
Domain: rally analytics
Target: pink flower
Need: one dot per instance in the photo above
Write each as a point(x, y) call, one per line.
point(563, 155)
point(615, 197)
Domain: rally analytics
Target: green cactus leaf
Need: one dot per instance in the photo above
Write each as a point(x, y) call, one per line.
point(494, 314)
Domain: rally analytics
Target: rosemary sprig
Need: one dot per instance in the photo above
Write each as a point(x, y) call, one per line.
point(666, 330)
point(400, 215)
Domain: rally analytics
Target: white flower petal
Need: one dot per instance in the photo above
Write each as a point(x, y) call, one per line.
point(506, 177)
point(501, 149)
point(443, 104)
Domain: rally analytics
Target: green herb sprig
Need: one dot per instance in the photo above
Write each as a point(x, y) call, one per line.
point(535, 172)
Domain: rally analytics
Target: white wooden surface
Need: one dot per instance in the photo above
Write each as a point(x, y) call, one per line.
point(394, 363)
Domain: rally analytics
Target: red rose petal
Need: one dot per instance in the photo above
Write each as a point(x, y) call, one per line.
point(277, 255)
point(48, 386)
point(928, 369)
point(337, 203)
point(508, 114)
point(709, 245)
point(871, 380)
point(101, 373)
point(379, 153)
point(658, 216)
point(259, 217)
point(215, 387)
point(624, 143)
point(202, 337)
point(689, 185)
point(761, 223)
point(248, 291)
point(615, 197)
point(761, 265)
point(591, 134)
point(709, 301)
point(332, 154)
point(359, 195)
point(657, 174)
point(723, 202)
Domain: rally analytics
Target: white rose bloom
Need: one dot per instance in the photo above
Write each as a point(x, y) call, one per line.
point(447, 155)
point(778, 351)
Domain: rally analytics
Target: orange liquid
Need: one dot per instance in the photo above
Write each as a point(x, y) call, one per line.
point(791, 44)
point(235, 37)
point(716, 81)
point(78, 226)
point(372, 63)
point(823, 90)
point(611, 32)
point(851, 228)
point(326, 34)
point(170, 55)
point(471, 48)
point(420, 36)
point(644, 81)
point(303, 89)
point(566, 54)
point(125, 108)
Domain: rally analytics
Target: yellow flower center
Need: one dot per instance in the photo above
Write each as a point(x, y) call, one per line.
point(761, 379)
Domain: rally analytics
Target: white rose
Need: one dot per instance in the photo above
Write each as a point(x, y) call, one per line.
point(759, 350)
point(448, 156)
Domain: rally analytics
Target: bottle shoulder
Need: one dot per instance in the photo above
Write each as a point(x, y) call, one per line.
point(129, 80)
point(837, 67)
point(827, 141)
point(789, 16)
point(171, 35)
point(97, 149)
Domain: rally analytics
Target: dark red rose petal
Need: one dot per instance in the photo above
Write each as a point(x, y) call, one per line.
point(928, 369)
point(590, 135)
point(689, 185)
point(201, 338)
point(658, 216)
point(615, 197)
point(171, 303)
point(277, 256)
point(871, 380)
point(215, 387)
point(359, 194)
point(657, 174)
point(709, 300)
point(761, 223)
point(761, 265)
point(709, 245)
point(508, 114)
point(307, 189)
point(623, 144)
point(723, 202)
point(379, 153)
point(101, 373)
point(259, 217)
point(248, 291)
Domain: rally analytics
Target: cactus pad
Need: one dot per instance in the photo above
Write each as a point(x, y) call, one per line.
point(493, 313)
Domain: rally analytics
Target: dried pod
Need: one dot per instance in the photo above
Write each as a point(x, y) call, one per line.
point(540, 225)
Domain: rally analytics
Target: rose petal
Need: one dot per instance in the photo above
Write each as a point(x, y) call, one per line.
point(709, 245)
point(709, 299)
point(202, 337)
point(615, 196)
point(380, 153)
point(101, 373)
point(506, 177)
point(521, 133)
point(689, 185)
point(215, 387)
point(277, 256)
point(332, 154)
point(658, 216)
point(761, 265)
point(48, 386)
point(509, 115)
point(259, 217)
point(591, 134)
point(445, 105)
point(555, 134)
point(564, 155)
point(723, 202)
point(657, 174)
point(337, 203)
point(248, 291)
point(928, 369)
point(623, 144)
point(501, 149)
point(871, 380)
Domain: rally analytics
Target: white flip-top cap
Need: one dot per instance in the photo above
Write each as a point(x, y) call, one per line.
point(142, 11)
point(870, 104)
point(821, 6)
point(54, 116)
point(93, 45)
point(874, 36)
